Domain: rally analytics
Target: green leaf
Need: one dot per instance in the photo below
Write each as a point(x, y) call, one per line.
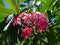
point(57, 18)
point(51, 37)
point(47, 4)
point(6, 27)
point(2, 17)
point(13, 34)
point(12, 3)
point(1, 2)
point(22, 0)
point(4, 12)
point(55, 9)
point(2, 23)
point(9, 18)
point(58, 13)
point(39, 0)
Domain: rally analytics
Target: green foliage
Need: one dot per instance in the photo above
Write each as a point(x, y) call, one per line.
point(12, 3)
point(11, 35)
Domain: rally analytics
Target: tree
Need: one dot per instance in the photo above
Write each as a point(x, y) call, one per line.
point(30, 22)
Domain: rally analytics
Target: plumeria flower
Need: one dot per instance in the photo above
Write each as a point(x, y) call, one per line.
point(35, 15)
point(42, 23)
point(23, 14)
point(27, 32)
point(16, 21)
point(27, 19)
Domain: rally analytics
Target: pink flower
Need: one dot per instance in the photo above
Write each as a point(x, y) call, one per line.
point(16, 21)
point(35, 15)
point(42, 23)
point(23, 14)
point(27, 32)
point(27, 19)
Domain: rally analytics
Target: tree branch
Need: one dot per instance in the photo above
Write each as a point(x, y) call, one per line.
point(51, 26)
point(41, 39)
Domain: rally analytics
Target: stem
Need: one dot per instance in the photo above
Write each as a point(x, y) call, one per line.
point(23, 42)
point(18, 7)
point(17, 11)
point(44, 41)
point(54, 25)
point(41, 39)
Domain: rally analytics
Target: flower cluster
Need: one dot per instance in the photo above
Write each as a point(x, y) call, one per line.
point(36, 19)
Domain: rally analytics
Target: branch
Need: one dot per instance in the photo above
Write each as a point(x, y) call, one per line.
point(41, 39)
point(44, 41)
point(54, 25)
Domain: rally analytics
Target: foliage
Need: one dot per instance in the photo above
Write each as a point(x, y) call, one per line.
point(11, 36)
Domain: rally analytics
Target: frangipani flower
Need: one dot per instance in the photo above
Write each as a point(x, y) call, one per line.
point(16, 21)
point(27, 32)
point(42, 23)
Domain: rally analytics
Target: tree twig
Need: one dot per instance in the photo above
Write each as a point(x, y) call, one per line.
point(41, 39)
point(54, 25)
